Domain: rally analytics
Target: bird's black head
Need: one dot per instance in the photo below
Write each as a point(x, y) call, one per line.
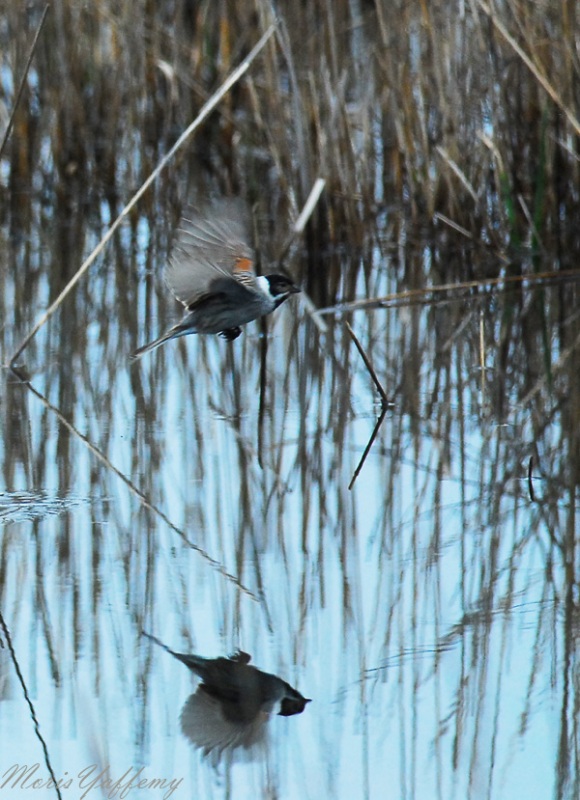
point(281, 287)
point(293, 704)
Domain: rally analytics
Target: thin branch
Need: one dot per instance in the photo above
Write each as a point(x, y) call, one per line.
point(309, 205)
point(456, 169)
point(369, 366)
point(311, 309)
point(530, 480)
point(205, 111)
point(452, 224)
point(423, 295)
point(368, 447)
point(6, 634)
point(298, 228)
point(542, 80)
point(384, 403)
point(23, 79)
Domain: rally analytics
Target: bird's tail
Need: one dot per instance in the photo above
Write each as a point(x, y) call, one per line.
point(152, 345)
point(157, 641)
point(194, 662)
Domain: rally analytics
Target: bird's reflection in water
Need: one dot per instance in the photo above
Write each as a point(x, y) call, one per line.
point(232, 704)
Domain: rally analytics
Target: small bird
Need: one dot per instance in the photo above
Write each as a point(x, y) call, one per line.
point(212, 272)
point(233, 701)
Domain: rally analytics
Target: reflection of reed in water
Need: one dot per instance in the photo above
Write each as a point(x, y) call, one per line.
point(434, 177)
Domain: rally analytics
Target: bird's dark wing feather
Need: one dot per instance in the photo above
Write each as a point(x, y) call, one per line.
point(222, 293)
point(236, 686)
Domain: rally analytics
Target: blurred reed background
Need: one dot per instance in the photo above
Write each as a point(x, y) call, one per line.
point(431, 612)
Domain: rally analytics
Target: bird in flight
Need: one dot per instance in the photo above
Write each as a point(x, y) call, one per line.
point(233, 702)
point(211, 271)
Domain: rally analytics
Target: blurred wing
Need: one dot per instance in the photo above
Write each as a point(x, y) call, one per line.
point(210, 245)
point(203, 723)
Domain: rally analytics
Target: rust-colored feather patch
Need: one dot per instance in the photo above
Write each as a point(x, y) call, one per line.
point(243, 264)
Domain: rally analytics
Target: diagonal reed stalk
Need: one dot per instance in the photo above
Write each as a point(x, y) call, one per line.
point(100, 456)
point(233, 78)
point(297, 229)
point(536, 72)
point(23, 79)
